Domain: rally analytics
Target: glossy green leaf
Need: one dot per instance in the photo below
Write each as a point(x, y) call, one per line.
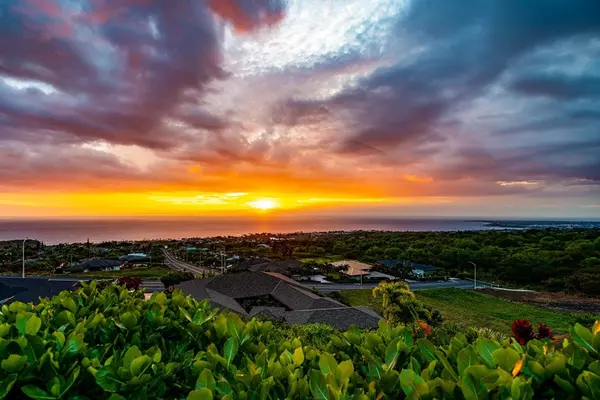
point(206, 380)
point(391, 354)
point(485, 348)
point(298, 356)
point(427, 349)
point(230, 349)
point(564, 385)
point(107, 381)
point(202, 394)
point(74, 344)
point(70, 382)
point(506, 358)
point(161, 299)
point(139, 365)
point(129, 320)
point(466, 357)
point(413, 385)
point(327, 363)
point(583, 337)
point(346, 369)
point(13, 364)
point(6, 385)
point(473, 389)
point(34, 392)
point(28, 324)
point(318, 385)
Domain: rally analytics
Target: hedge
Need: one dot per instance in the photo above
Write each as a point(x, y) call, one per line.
point(112, 344)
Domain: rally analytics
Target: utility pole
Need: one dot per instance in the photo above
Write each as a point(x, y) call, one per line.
point(23, 271)
point(474, 280)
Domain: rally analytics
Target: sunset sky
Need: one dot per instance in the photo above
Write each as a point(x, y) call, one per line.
point(362, 107)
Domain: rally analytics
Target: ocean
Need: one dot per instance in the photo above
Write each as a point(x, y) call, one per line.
point(78, 231)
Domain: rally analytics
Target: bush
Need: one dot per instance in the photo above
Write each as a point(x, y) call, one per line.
point(174, 278)
point(130, 283)
point(93, 344)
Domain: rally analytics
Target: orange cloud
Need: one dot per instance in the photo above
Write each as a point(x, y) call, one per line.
point(418, 179)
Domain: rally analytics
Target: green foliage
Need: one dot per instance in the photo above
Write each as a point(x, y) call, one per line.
point(176, 277)
point(399, 305)
point(457, 307)
point(112, 344)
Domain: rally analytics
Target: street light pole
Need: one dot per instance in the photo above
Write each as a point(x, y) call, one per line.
point(23, 270)
point(475, 280)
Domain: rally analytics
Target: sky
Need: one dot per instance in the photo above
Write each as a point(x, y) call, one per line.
point(340, 107)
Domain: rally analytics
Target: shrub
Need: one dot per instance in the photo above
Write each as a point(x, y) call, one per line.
point(130, 283)
point(112, 344)
point(399, 305)
point(174, 278)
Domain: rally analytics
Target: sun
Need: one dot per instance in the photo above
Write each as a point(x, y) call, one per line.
point(263, 204)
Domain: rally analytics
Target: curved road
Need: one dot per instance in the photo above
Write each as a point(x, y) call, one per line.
point(174, 263)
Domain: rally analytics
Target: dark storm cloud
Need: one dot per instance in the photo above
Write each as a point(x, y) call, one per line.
point(550, 163)
point(558, 86)
point(467, 45)
point(117, 69)
point(450, 54)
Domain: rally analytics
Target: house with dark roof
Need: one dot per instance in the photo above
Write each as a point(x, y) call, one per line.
point(97, 265)
point(276, 297)
point(30, 289)
point(135, 258)
point(423, 269)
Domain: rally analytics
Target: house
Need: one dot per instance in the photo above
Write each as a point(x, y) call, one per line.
point(274, 296)
point(135, 258)
point(30, 289)
point(354, 268)
point(96, 265)
point(423, 269)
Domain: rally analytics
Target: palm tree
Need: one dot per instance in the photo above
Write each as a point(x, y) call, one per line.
point(392, 292)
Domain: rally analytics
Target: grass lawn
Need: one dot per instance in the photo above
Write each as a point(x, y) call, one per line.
point(322, 260)
point(471, 309)
point(142, 273)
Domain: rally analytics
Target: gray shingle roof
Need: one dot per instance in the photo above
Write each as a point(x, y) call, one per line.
point(31, 289)
point(282, 266)
point(298, 305)
point(291, 297)
point(271, 312)
point(243, 284)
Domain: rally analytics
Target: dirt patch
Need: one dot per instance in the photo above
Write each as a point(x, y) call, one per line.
point(554, 301)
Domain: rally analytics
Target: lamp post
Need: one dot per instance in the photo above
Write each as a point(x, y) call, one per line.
point(23, 270)
point(475, 280)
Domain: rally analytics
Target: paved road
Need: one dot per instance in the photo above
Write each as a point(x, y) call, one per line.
point(333, 287)
point(179, 265)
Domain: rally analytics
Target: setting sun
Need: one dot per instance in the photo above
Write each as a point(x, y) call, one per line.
point(264, 204)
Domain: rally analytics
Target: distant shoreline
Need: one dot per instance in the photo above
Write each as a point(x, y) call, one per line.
point(79, 231)
point(533, 224)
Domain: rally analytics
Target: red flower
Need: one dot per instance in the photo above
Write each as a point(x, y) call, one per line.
point(544, 331)
point(522, 331)
point(425, 327)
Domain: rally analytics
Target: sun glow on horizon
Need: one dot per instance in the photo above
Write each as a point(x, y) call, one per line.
point(264, 204)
